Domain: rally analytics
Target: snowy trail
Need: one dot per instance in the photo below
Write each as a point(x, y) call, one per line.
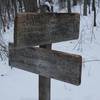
point(20, 85)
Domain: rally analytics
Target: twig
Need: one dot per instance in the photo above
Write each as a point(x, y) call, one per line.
point(93, 60)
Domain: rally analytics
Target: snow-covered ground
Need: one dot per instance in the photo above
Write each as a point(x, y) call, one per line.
point(16, 84)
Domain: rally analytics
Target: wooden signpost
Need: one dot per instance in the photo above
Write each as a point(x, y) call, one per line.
point(32, 29)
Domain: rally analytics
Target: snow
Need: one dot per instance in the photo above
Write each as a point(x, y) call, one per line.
point(16, 84)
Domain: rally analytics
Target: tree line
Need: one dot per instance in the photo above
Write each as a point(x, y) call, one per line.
point(9, 8)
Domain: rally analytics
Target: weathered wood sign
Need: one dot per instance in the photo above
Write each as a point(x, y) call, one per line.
point(49, 63)
point(33, 29)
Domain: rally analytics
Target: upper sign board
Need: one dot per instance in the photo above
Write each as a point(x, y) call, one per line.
point(33, 29)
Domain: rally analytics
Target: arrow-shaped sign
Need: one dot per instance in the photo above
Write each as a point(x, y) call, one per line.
point(49, 63)
point(33, 29)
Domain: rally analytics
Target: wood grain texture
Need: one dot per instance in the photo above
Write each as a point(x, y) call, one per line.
point(49, 63)
point(33, 29)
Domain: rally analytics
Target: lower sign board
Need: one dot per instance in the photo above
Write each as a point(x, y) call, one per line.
point(49, 63)
point(32, 29)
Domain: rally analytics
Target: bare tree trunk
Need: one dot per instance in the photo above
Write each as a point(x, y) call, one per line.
point(99, 3)
point(94, 9)
point(89, 4)
point(20, 6)
point(14, 3)
point(62, 4)
point(74, 2)
point(30, 5)
point(69, 6)
point(85, 8)
point(92, 5)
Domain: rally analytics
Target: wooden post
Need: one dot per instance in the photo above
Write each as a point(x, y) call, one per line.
point(44, 88)
point(44, 83)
